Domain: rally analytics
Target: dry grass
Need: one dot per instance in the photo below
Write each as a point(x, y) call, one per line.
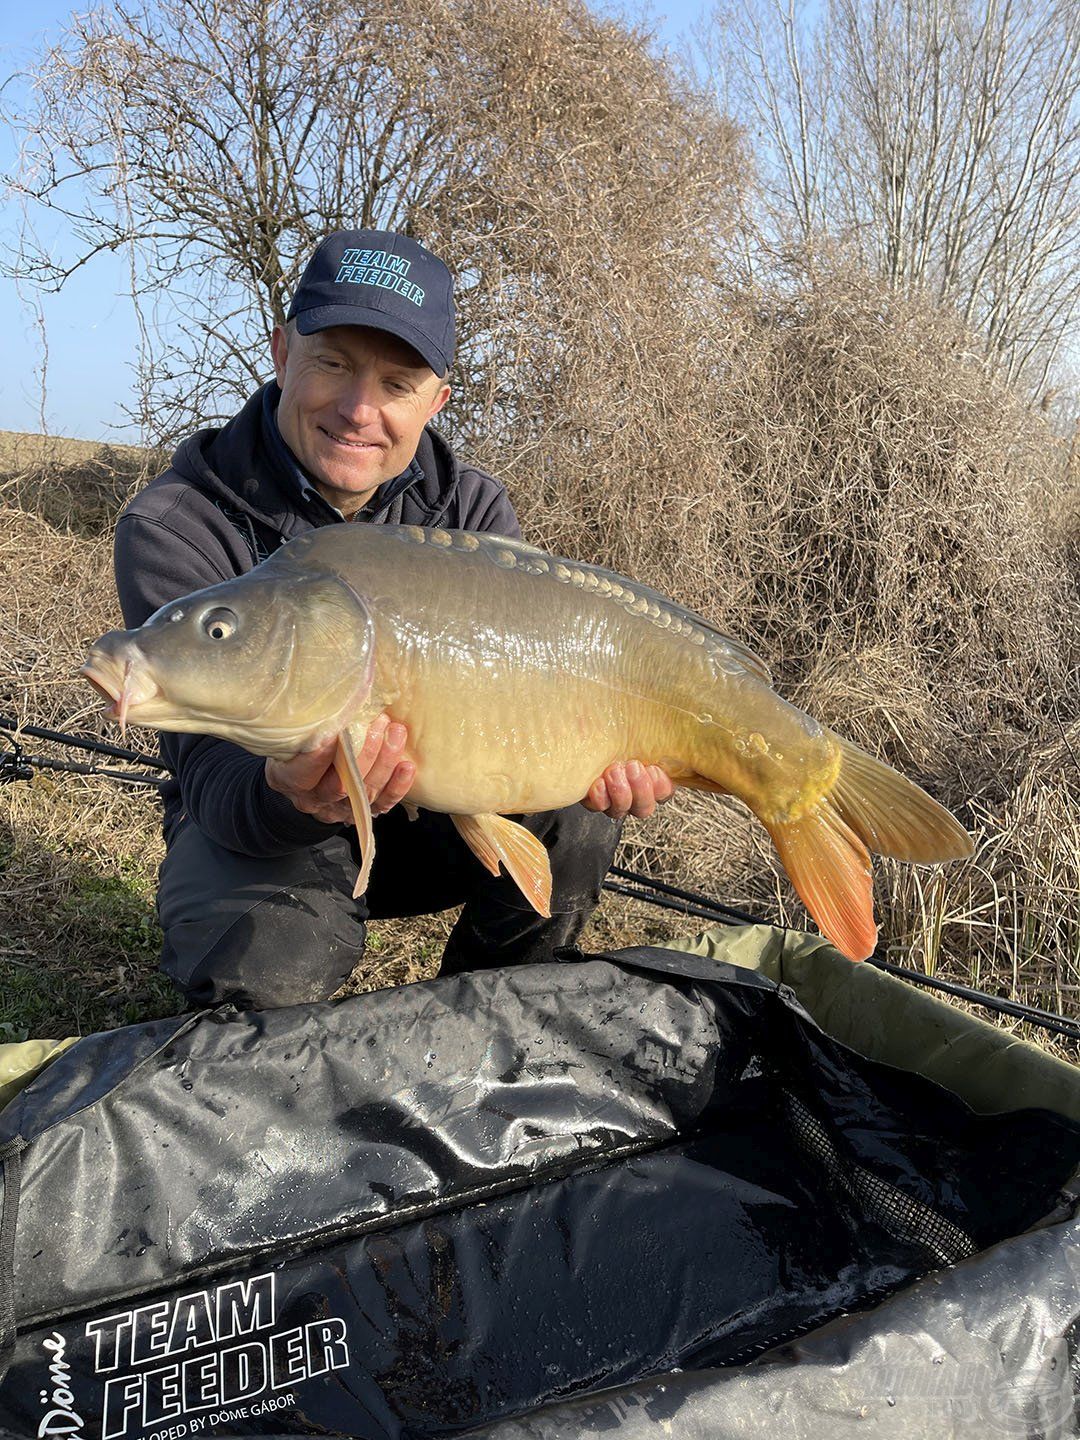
point(76, 485)
point(78, 944)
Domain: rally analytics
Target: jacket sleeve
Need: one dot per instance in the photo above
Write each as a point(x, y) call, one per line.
point(223, 788)
point(484, 505)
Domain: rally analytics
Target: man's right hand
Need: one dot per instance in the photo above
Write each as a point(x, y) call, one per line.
point(311, 782)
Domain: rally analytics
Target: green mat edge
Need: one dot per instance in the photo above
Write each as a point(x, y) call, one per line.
point(21, 1060)
point(891, 1020)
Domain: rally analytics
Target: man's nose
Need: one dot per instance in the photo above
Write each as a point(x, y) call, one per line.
point(357, 402)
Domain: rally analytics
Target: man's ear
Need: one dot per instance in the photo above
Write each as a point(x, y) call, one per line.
point(279, 349)
point(440, 400)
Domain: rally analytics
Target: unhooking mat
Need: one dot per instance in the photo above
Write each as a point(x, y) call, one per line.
point(643, 1193)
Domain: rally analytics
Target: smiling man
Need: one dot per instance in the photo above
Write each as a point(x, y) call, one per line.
point(354, 403)
point(255, 895)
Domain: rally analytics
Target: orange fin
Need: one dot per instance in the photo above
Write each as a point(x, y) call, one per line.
point(349, 775)
point(493, 838)
point(693, 781)
point(683, 774)
point(891, 814)
point(830, 868)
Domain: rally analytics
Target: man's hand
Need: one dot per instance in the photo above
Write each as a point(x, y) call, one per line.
point(311, 782)
point(630, 789)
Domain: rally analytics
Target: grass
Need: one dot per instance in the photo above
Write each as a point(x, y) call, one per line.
point(75, 485)
point(79, 942)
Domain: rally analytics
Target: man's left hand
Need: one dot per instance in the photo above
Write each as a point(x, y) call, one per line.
point(630, 789)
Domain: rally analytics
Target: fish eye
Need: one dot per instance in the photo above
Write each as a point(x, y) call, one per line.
point(219, 624)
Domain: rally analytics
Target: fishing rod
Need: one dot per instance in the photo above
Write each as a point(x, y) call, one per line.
point(81, 742)
point(17, 765)
point(690, 902)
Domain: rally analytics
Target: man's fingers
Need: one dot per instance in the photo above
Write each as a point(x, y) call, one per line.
point(373, 742)
point(329, 789)
point(620, 796)
point(630, 789)
point(378, 773)
point(396, 788)
point(313, 785)
point(334, 812)
point(306, 771)
point(663, 785)
point(643, 801)
point(597, 798)
point(302, 774)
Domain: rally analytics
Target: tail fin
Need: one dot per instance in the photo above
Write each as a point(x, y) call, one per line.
point(826, 852)
point(830, 868)
point(891, 815)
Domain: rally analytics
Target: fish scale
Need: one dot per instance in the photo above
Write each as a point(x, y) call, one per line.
point(638, 600)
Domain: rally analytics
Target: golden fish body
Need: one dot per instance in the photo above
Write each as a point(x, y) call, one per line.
point(577, 675)
point(520, 677)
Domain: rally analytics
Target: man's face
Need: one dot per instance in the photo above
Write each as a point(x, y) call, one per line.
point(353, 405)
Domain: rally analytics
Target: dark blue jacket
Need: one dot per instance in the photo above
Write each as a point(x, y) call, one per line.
point(230, 497)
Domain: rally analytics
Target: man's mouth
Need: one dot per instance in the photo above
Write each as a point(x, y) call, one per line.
point(348, 444)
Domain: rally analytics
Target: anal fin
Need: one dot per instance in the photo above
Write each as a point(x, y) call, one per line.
point(349, 775)
point(493, 840)
point(700, 782)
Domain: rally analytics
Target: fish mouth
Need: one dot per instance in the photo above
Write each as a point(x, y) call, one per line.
point(126, 686)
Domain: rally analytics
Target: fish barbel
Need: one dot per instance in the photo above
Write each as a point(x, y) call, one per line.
point(520, 678)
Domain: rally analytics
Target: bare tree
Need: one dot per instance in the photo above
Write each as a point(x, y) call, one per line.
point(938, 138)
point(217, 140)
point(766, 63)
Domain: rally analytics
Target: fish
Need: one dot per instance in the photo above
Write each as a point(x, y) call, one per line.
point(520, 676)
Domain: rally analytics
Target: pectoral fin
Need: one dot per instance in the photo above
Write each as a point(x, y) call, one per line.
point(493, 838)
point(349, 774)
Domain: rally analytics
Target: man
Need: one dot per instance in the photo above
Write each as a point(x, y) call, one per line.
point(255, 893)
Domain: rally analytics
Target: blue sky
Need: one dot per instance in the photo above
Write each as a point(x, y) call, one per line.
point(90, 326)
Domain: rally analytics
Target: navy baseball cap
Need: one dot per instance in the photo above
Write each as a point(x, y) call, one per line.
point(381, 279)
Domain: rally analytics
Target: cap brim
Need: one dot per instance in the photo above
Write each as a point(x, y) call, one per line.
point(323, 317)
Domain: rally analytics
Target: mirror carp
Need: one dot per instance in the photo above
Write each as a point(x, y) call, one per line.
point(520, 677)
